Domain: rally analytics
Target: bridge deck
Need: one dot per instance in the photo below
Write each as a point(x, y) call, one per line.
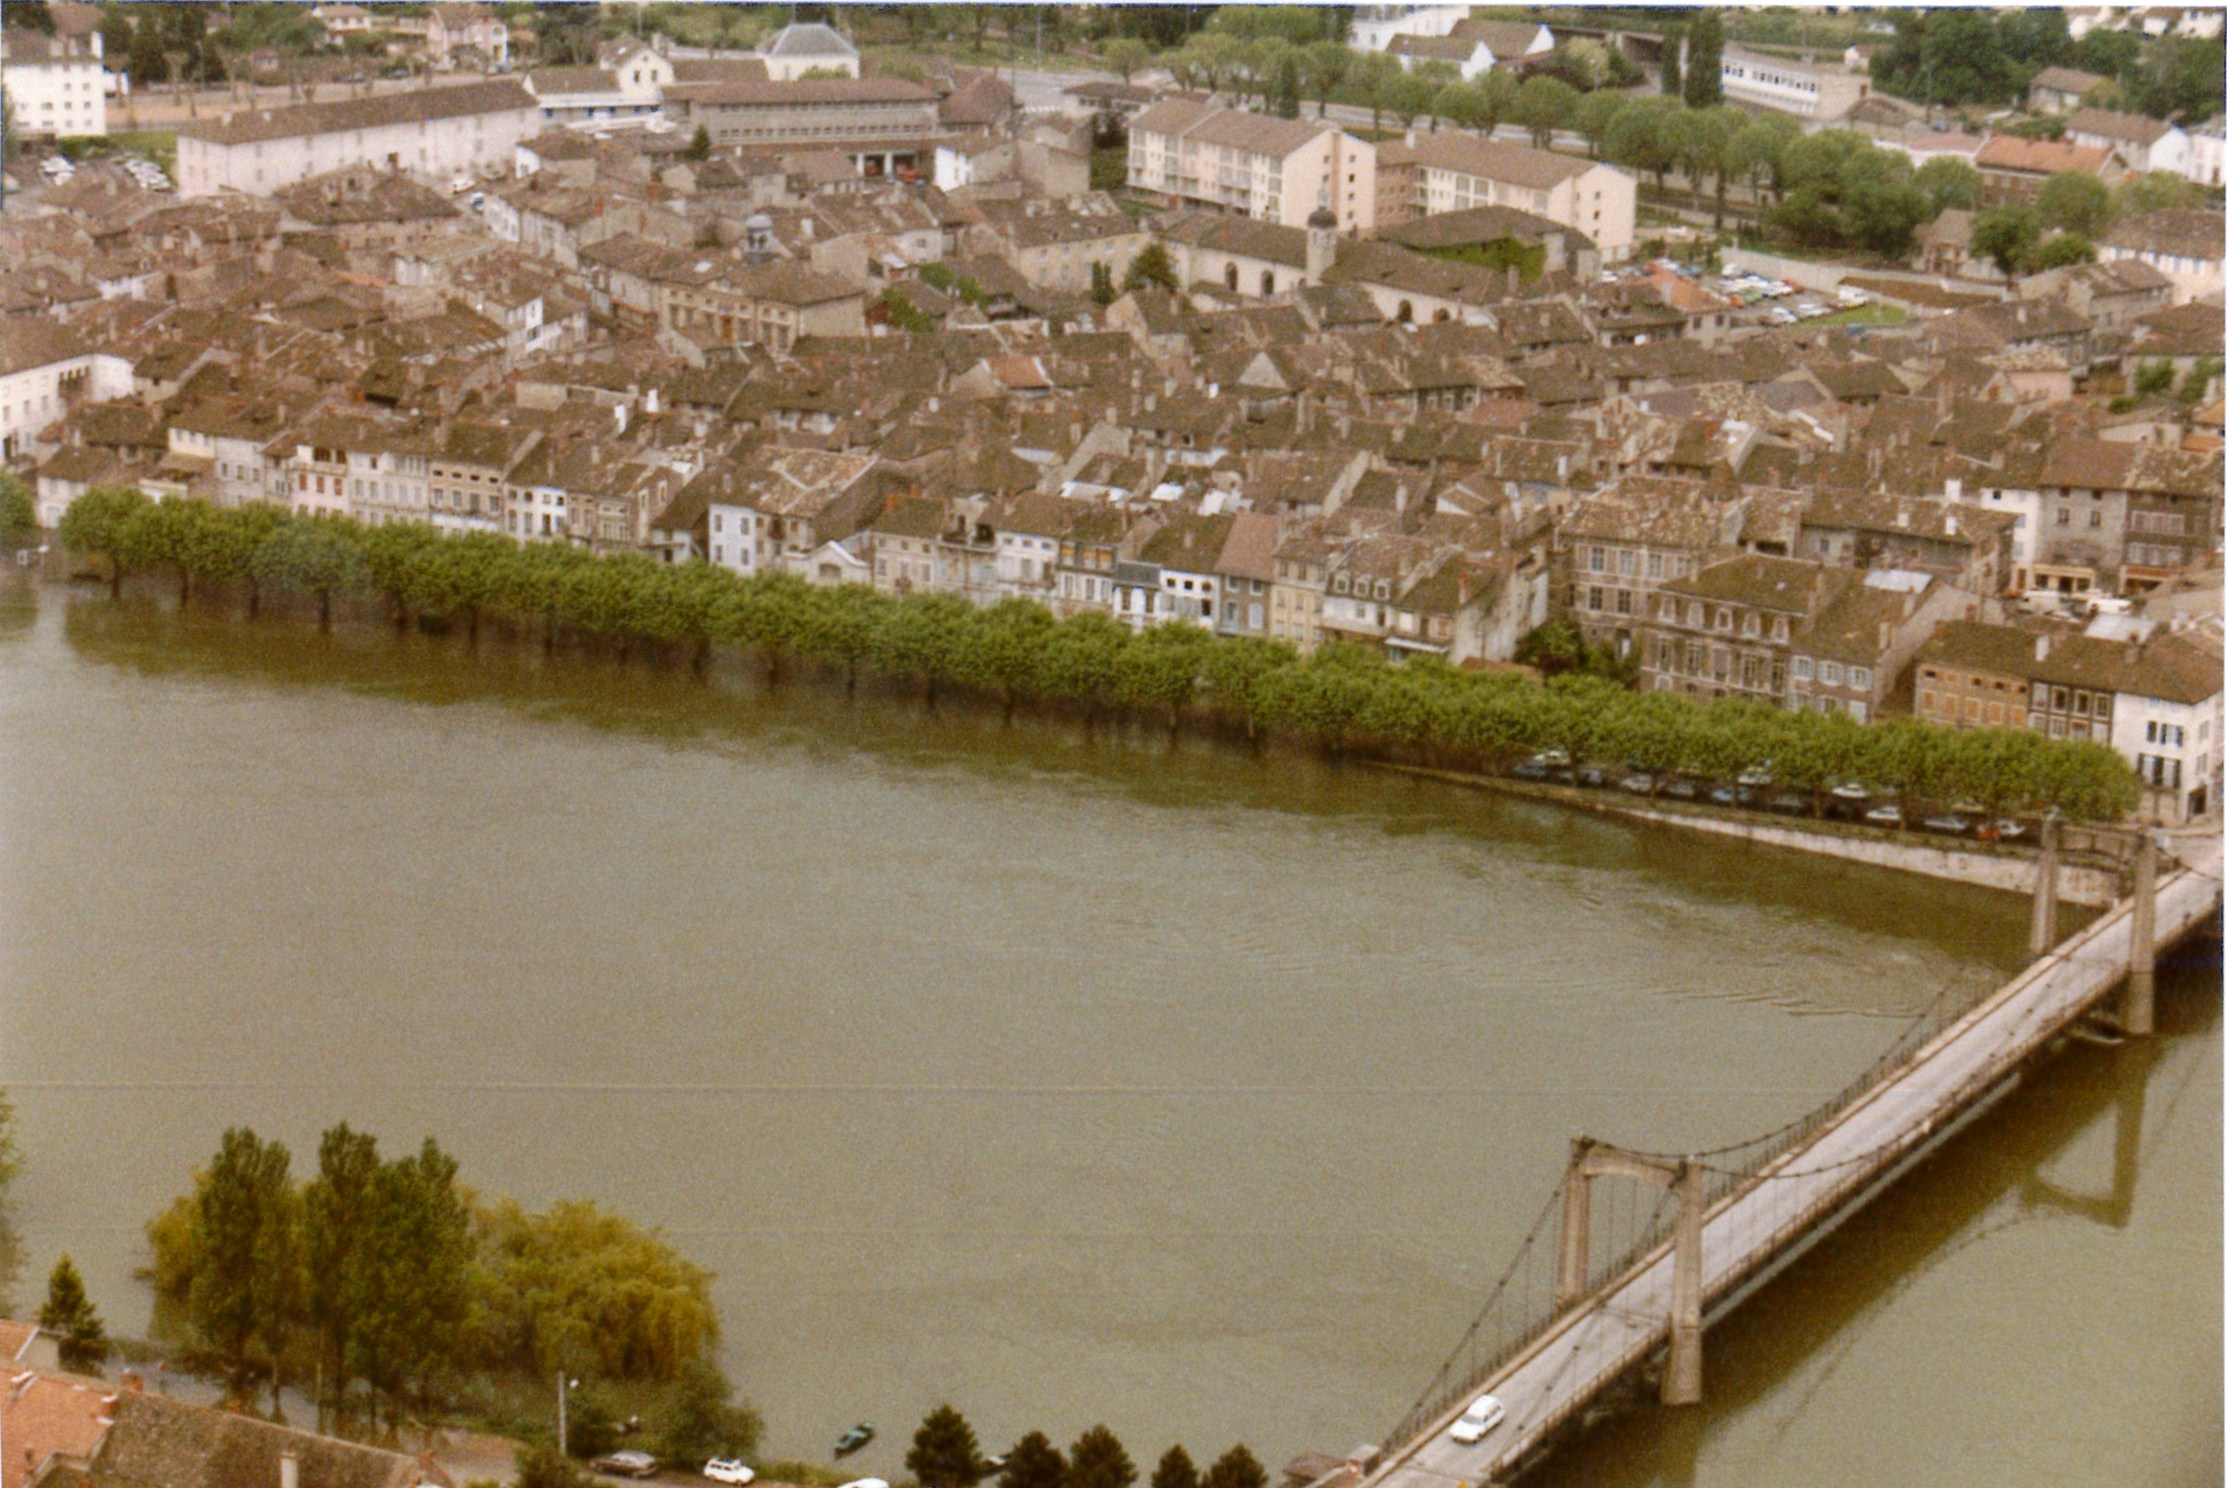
point(1584, 1352)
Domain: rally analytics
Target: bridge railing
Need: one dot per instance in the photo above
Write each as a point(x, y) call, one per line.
point(1522, 1308)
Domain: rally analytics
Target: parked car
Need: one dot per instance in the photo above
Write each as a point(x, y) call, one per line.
point(866, 1483)
point(1727, 794)
point(1948, 822)
point(627, 1464)
point(728, 1470)
point(2010, 829)
point(460, 183)
point(1594, 776)
point(1533, 768)
point(1756, 776)
point(851, 1440)
point(1483, 1414)
point(1887, 814)
point(1639, 783)
point(1793, 803)
point(1683, 789)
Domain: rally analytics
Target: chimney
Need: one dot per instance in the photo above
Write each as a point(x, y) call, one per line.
point(289, 1471)
point(1956, 493)
point(618, 412)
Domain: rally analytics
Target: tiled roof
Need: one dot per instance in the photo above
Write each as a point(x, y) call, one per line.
point(1496, 160)
point(2168, 667)
point(1246, 236)
point(158, 1442)
point(2040, 157)
point(426, 105)
point(2176, 232)
point(809, 39)
point(747, 91)
point(2136, 129)
point(2067, 80)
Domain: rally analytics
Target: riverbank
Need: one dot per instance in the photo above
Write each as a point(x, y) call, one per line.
point(2000, 866)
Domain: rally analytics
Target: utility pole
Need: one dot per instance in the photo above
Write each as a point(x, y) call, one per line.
point(563, 1442)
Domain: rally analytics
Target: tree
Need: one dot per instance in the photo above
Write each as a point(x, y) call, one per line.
point(1175, 1470)
point(2181, 75)
point(1704, 79)
point(1408, 97)
point(1033, 1463)
point(1594, 114)
point(540, 1466)
point(2155, 191)
point(337, 1215)
point(317, 555)
point(1236, 1468)
point(1640, 137)
point(1543, 105)
point(2005, 237)
point(1125, 54)
point(19, 514)
point(95, 525)
point(579, 1288)
point(1151, 266)
point(695, 1418)
point(2075, 202)
point(944, 1451)
point(1371, 79)
point(1673, 82)
point(1098, 1460)
point(1949, 182)
point(2153, 379)
point(70, 1315)
point(1102, 291)
point(148, 60)
point(2062, 250)
point(699, 143)
point(246, 1269)
point(1324, 65)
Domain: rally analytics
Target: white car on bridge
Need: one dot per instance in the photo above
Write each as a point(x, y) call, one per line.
point(1480, 1418)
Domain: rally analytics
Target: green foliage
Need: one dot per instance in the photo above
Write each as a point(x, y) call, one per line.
point(19, 512)
point(1948, 182)
point(1098, 1460)
point(699, 143)
point(246, 1261)
point(540, 1466)
point(2153, 379)
point(944, 1451)
point(1673, 76)
point(1033, 1463)
point(574, 1287)
point(95, 524)
point(2062, 250)
point(70, 1315)
point(2201, 374)
point(1236, 1468)
point(1704, 80)
point(1151, 266)
point(695, 1417)
point(1543, 105)
point(904, 315)
point(322, 556)
point(1125, 54)
point(1175, 1469)
point(2156, 191)
point(2006, 237)
point(2073, 201)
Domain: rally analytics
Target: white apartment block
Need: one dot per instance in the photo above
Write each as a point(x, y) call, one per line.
point(1252, 165)
point(432, 134)
point(56, 85)
point(45, 371)
point(1455, 171)
point(1818, 91)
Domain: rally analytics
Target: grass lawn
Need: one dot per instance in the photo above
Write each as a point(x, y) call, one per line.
point(1878, 312)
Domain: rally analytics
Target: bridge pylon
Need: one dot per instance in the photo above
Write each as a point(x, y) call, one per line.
point(1589, 1160)
point(2137, 1004)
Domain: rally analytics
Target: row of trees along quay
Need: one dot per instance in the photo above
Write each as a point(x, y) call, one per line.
point(1344, 700)
point(946, 1454)
point(398, 1297)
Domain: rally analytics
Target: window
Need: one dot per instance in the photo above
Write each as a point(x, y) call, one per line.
point(1596, 560)
point(1829, 673)
point(1724, 618)
point(1802, 669)
point(1860, 678)
point(1593, 598)
point(1654, 565)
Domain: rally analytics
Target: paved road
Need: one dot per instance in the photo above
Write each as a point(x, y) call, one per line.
point(1559, 1373)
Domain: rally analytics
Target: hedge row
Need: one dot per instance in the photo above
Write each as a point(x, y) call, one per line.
point(1346, 700)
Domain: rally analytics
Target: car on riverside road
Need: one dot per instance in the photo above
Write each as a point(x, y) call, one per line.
point(1483, 1414)
point(728, 1470)
point(627, 1464)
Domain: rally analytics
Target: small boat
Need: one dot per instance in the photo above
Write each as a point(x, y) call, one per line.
point(851, 1440)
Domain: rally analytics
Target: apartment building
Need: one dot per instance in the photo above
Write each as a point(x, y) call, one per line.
point(433, 134)
point(1819, 91)
point(1192, 154)
point(884, 123)
point(1455, 172)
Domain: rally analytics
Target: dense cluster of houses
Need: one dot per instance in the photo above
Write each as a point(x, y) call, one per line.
point(772, 361)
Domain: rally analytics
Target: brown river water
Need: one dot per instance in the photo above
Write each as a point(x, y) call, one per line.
point(1068, 1080)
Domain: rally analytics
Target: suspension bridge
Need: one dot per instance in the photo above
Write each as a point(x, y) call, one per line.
point(1584, 1305)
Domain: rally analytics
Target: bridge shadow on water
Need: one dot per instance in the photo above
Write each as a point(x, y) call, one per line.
point(1795, 1332)
point(734, 710)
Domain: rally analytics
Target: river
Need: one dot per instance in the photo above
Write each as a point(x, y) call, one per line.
point(1064, 1079)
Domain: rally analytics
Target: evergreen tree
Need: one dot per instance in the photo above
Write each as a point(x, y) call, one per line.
point(944, 1452)
point(1176, 1470)
point(699, 143)
point(1034, 1463)
point(1704, 69)
point(1673, 78)
point(1098, 1460)
point(71, 1316)
point(1236, 1468)
point(1151, 266)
